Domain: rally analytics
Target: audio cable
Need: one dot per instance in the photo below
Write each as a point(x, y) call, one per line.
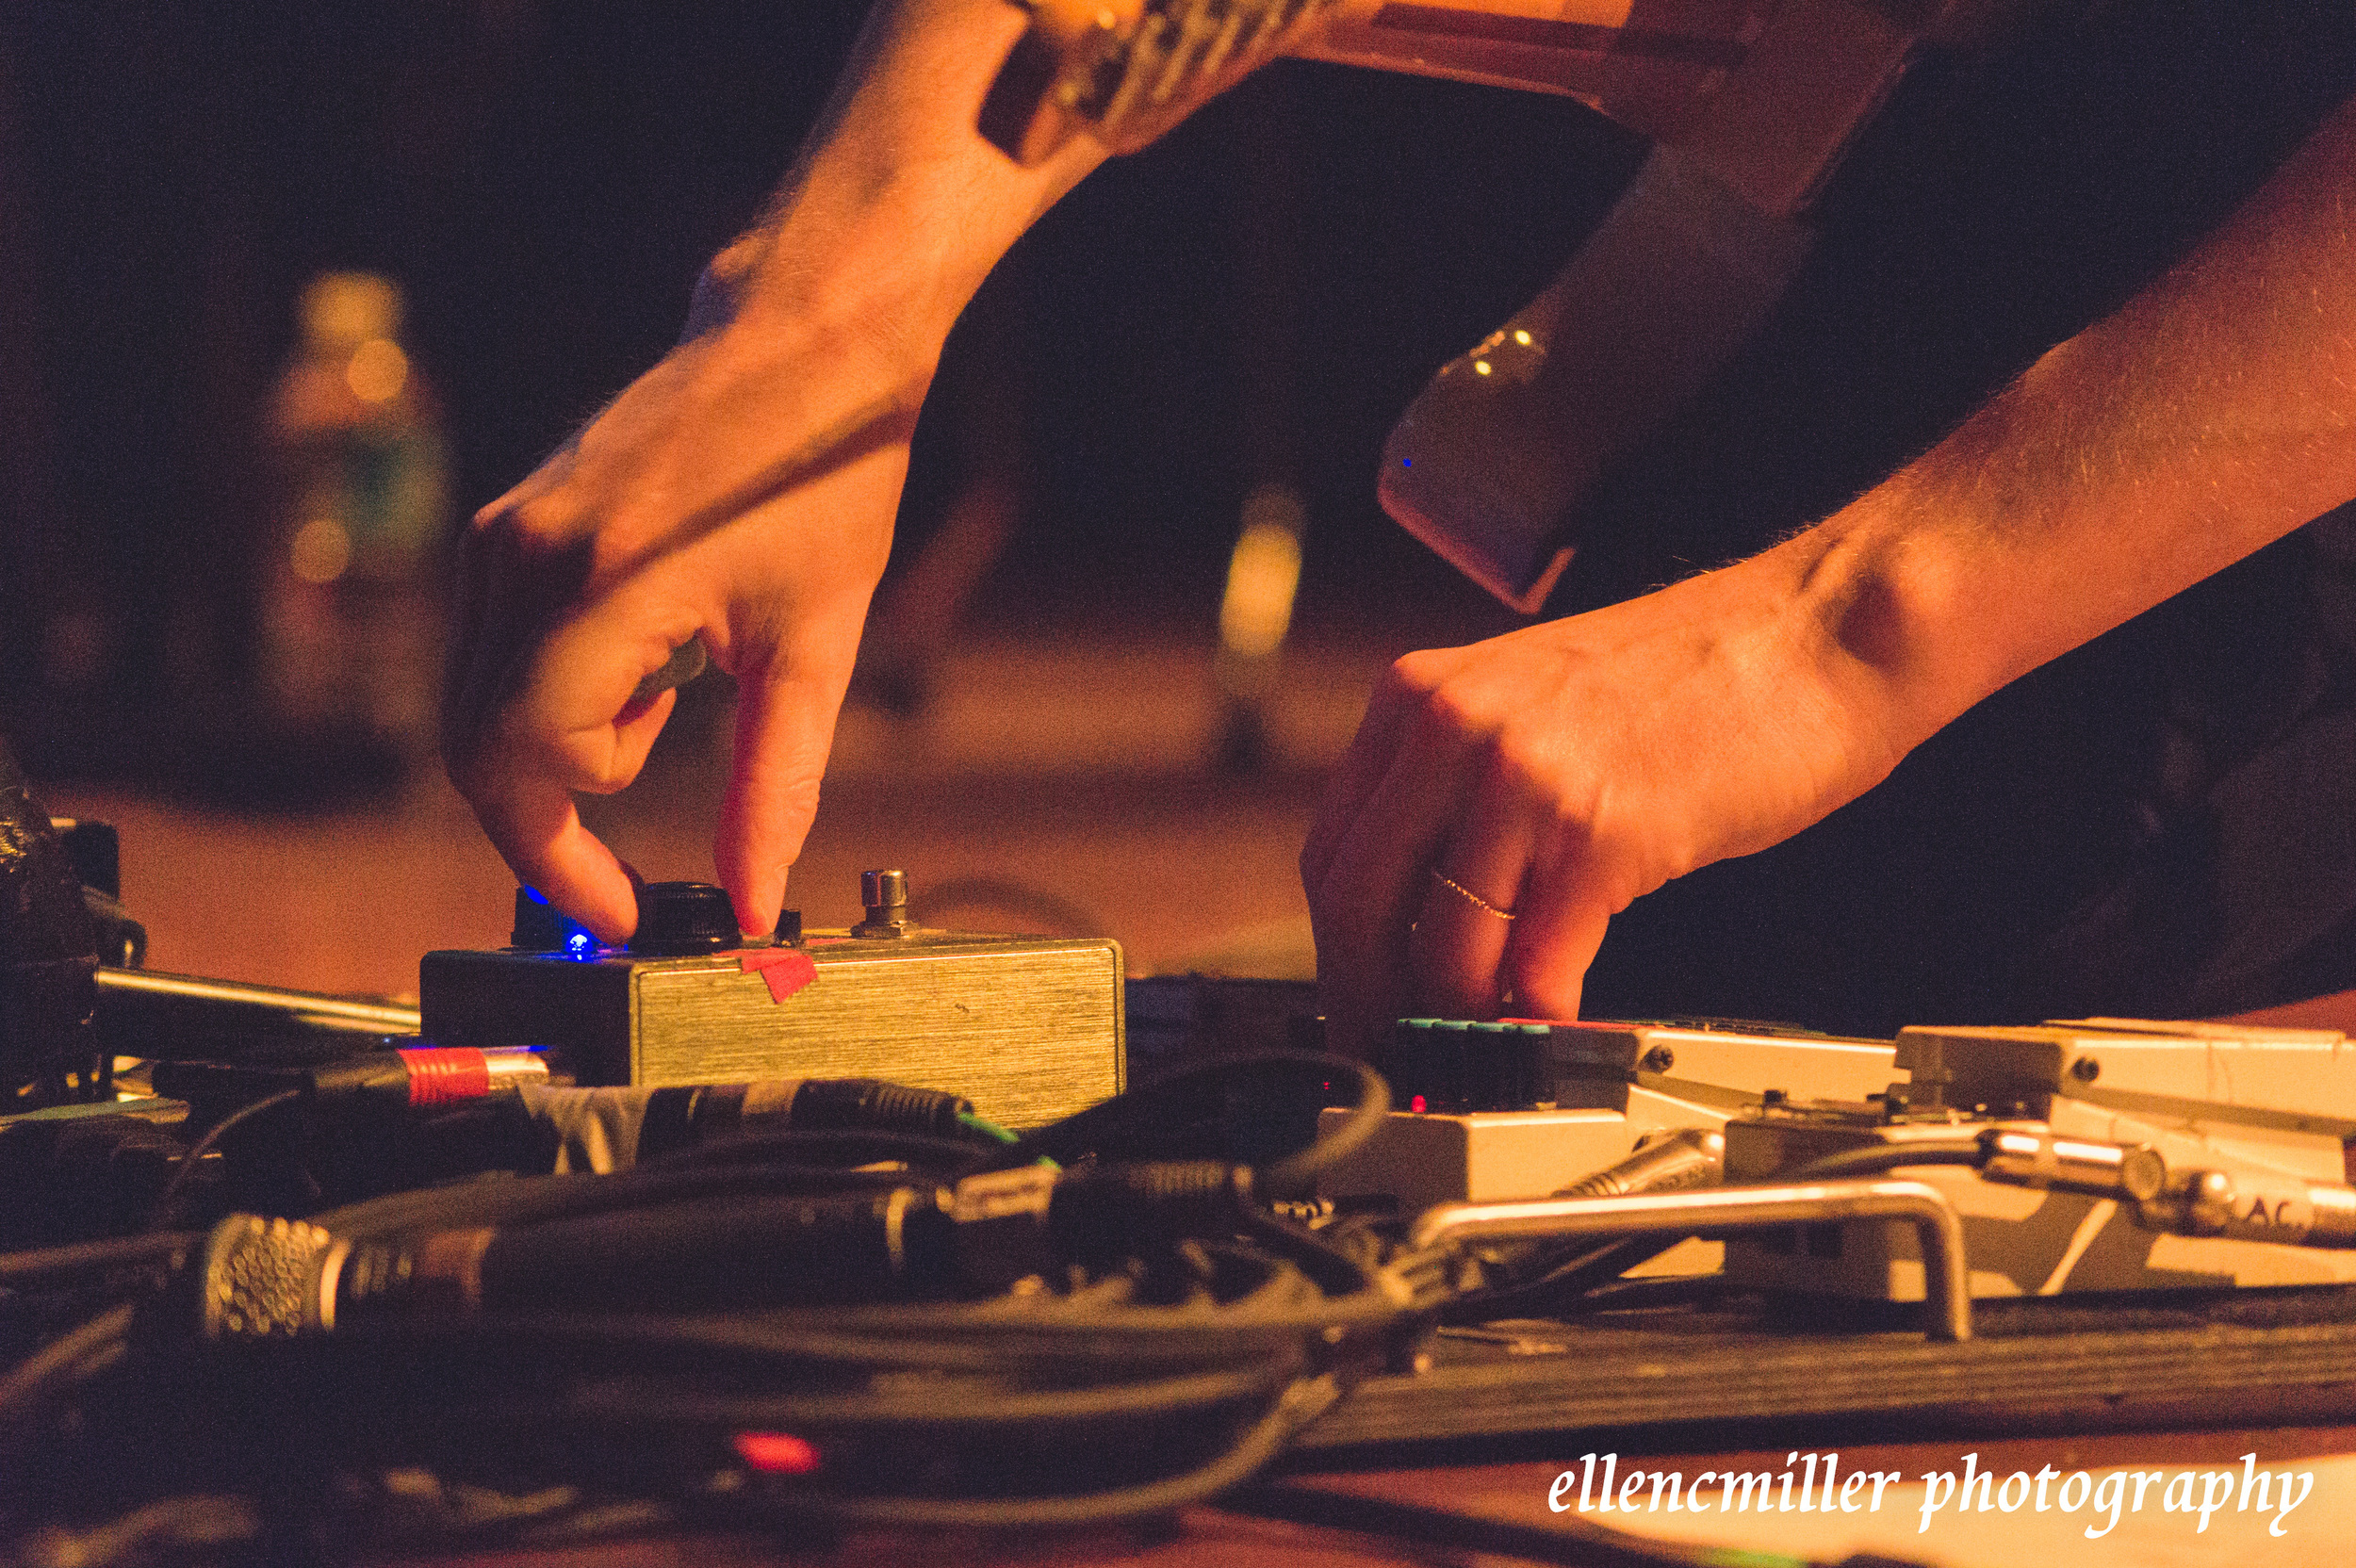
point(965, 1335)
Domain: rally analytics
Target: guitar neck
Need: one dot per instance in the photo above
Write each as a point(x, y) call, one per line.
point(1124, 71)
point(1764, 95)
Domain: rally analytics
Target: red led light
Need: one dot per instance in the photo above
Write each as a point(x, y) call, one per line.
point(777, 1453)
point(1416, 1104)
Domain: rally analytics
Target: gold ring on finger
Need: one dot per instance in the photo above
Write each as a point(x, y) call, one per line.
point(1468, 895)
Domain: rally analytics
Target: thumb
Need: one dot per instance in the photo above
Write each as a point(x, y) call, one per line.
point(785, 715)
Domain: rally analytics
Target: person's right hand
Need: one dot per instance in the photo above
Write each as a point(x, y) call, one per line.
point(1503, 802)
point(728, 495)
point(742, 490)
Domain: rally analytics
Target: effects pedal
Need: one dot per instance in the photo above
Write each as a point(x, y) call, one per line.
point(2104, 1154)
point(1029, 1028)
point(1522, 1108)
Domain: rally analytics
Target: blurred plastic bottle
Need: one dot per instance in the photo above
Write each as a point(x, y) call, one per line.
point(352, 608)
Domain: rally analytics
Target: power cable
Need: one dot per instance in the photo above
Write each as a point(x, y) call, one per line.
point(207, 1144)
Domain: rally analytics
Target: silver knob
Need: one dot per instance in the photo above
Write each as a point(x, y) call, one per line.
point(885, 895)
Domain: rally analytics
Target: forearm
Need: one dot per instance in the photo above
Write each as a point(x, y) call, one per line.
point(897, 208)
point(1565, 770)
point(742, 491)
point(813, 337)
point(2214, 414)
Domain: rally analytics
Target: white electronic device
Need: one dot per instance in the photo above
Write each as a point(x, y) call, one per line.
point(2240, 1135)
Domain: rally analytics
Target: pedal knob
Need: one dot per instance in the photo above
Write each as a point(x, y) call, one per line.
point(885, 895)
point(540, 928)
point(678, 919)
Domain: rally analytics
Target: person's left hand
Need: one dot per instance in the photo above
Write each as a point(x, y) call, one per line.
point(1558, 772)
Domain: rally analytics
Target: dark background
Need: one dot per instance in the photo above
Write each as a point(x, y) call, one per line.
point(1255, 297)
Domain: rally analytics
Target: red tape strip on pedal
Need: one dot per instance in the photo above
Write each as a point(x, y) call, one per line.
point(440, 1074)
point(787, 970)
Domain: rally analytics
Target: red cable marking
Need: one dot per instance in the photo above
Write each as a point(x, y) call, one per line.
point(440, 1074)
point(786, 969)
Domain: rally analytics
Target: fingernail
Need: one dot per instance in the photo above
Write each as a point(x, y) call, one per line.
point(755, 928)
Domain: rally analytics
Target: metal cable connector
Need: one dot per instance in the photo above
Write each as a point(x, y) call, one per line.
point(1689, 1158)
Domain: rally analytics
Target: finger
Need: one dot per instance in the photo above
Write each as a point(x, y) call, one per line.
point(521, 777)
point(784, 727)
point(518, 750)
point(513, 599)
point(1391, 712)
point(522, 793)
point(629, 739)
point(538, 832)
point(1373, 890)
point(1566, 904)
point(1459, 945)
point(464, 679)
point(577, 717)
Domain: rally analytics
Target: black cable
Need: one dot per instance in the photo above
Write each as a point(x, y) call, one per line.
point(929, 1409)
point(529, 1199)
point(20, 1270)
point(1298, 1172)
point(65, 1360)
point(1027, 1370)
point(837, 1148)
point(1599, 1268)
point(1203, 1092)
point(853, 1399)
point(1871, 1158)
point(1211, 1325)
point(169, 1530)
point(1019, 1335)
point(1054, 1341)
point(207, 1144)
point(1656, 1290)
point(1301, 1403)
point(1566, 1280)
point(1336, 1271)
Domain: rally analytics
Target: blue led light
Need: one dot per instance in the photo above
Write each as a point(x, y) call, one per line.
point(1406, 462)
point(541, 927)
